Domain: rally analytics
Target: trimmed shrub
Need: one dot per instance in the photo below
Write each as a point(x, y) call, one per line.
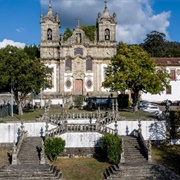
point(53, 147)
point(78, 101)
point(111, 147)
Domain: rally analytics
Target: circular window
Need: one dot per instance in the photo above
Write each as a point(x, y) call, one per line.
point(68, 83)
point(89, 83)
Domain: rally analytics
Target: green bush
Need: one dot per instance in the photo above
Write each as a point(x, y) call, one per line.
point(79, 101)
point(53, 147)
point(112, 147)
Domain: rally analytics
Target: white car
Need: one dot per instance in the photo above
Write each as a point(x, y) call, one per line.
point(151, 108)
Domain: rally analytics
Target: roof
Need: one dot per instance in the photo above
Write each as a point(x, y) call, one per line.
point(167, 61)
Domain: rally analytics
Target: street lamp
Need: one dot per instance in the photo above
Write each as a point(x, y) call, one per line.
point(11, 95)
point(11, 100)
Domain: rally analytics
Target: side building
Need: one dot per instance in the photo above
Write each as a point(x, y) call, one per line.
point(78, 63)
point(172, 65)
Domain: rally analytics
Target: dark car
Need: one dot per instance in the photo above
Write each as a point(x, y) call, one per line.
point(176, 103)
point(164, 103)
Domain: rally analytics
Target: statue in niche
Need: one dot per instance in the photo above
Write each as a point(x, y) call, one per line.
point(78, 38)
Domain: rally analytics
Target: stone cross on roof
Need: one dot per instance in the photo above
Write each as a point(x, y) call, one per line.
point(49, 3)
point(78, 19)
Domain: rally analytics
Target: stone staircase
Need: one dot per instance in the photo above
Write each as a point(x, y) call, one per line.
point(29, 167)
point(136, 165)
point(28, 153)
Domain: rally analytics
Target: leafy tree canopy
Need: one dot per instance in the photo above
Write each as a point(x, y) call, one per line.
point(133, 69)
point(154, 44)
point(32, 51)
point(89, 32)
point(67, 34)
point(22, 74)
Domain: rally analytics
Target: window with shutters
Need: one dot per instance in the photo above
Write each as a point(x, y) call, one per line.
point(168, 90)
point(89, 65)
point(68, 65)
point(173, 75)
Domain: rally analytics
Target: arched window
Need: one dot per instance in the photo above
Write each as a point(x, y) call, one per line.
point(89, 65)
point(68, 65)
point(107, 34)
point(49, 34)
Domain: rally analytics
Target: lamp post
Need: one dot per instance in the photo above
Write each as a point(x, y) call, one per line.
point(11, 94)
point(11, 100)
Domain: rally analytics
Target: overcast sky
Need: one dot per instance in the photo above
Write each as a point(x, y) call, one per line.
point(135, 18)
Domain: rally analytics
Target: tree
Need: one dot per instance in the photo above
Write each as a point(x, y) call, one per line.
point(112, 147)
point(67, 34)
point(89, 31)
point(53, 147)
point(32, 51)
point(133, 69)
point(154, 44)
point(22, 74)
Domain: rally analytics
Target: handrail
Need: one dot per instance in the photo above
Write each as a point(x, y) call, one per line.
point(142, 143)
point(19, 143)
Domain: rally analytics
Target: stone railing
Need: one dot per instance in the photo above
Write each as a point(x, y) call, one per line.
point(142, 144)
point(79, 128)
point(83, 115)
point(17, 147)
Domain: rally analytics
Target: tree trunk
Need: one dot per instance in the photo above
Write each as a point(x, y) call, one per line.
point(20, 110)
point(135, 100)
point(19, 102)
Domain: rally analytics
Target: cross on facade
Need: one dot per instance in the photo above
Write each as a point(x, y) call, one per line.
point(105, 2)
point(78, 19)
point(49, 3)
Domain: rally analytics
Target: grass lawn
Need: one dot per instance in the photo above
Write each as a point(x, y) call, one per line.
point(31, 115)
point(81, 168)
point(27, 116)
point(168, 156)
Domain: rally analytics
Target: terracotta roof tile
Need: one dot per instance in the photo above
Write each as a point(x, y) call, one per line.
point(167, 61)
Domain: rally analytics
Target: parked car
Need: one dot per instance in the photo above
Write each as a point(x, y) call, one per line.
point(142, 104)
point(151, 108)
point(163, 103)
point(160, 115)
point(176, 103)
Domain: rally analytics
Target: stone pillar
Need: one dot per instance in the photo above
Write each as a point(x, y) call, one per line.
point(14, 155)
point(139, 125)
point(22, 127)
point(116, 130)
point(149, 151)
point(46, 131)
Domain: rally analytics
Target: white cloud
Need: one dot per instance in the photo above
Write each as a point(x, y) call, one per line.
point(135, 18)
point(6, 42)
point(19, 29)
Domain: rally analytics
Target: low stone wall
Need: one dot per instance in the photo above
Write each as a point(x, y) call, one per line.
point(88, 152)
point(7, 146)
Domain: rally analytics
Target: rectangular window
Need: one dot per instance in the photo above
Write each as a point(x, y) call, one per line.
point(68, 65)
point(89, 65)
point(173, 75)
point(168, 90)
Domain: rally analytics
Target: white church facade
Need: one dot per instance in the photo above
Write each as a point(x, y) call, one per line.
point(78, 63)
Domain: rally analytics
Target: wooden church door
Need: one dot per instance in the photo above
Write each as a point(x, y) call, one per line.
point(78, 87)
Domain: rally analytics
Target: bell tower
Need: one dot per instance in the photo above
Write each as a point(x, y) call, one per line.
point(49, 46)
point(106, 26)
